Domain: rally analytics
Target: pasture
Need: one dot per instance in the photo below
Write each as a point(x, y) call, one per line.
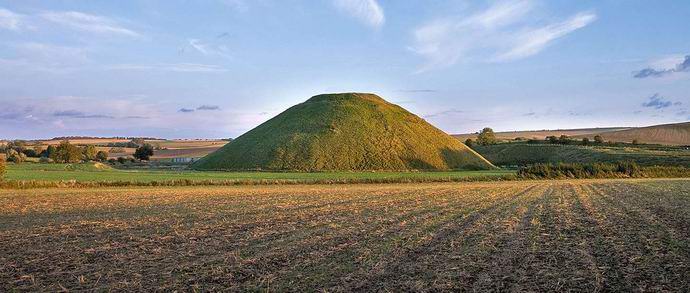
point(89, 172)
point(581, 235)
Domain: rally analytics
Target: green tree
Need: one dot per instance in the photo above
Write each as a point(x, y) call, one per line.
point(598, 139)
point(144, 152)
point(102, 156)
point(90, 152)
point(49, 152)
point(67, 153)
point(486, 137)
point(585, 141)
point(552, 139)
point(469, 142)
point(564, 139)
point(15, 156)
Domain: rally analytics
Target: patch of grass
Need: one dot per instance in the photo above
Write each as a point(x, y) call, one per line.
point(580, 235)
point(89, 175)
point(344, 132)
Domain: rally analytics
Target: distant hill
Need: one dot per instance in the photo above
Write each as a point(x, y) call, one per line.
point(521, 153)
point(542, 134)
point(668, 134)
point(350, 131)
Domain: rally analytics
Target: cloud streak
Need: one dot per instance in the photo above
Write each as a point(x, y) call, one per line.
point(88, 23)
point(172, 67)
point(10, 20)
point(80, 115)
point(502, 32)
point(684, 66)
point(369, 12)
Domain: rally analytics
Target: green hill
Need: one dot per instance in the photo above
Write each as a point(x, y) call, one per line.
point(668, 134)
point(504, 154)
point(349, 131)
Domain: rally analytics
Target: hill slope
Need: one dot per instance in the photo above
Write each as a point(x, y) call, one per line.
point(542, 134)
point(349, 131)
point(670, 134)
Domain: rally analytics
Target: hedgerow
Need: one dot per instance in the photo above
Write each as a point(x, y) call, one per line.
point(600, 170)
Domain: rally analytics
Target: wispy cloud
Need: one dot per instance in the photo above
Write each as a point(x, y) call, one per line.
point(80, 115)
point(185, 110)
point(658, 102)
point(682, 65)
point(208, 108)
point(369, 12)
point(88, 23)
point(443, 113)
point(502, 32)
point(209, 48)
point(173, 67)
point(418, 91)
point(10, 20)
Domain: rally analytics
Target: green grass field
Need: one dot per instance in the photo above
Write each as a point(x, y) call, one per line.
point(521, 153)
point(94, 173)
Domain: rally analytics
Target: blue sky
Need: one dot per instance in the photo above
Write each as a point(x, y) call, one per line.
point(217, 68)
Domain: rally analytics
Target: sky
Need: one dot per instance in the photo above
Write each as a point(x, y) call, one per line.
point(218, 68)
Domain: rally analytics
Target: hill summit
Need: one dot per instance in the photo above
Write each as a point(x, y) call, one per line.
point(349, 131)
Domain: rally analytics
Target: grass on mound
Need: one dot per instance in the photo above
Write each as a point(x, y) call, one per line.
point(344, 132)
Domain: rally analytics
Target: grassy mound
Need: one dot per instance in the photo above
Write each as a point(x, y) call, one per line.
point(344, 132)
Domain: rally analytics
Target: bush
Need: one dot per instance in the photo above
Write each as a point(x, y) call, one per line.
point(144, 152)
point(121, 160)
point(599, 170)
point(89, 152)
point(486, 137)
point(15, 156)
point(552, 139)
point(585, 141)
point(102, 156)
point(469, 142)
point(598, 139)
point(67, 153)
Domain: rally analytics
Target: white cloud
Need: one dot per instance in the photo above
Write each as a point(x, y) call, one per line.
point(533, 41)
point(174, 67)
point(10, 20)
point(209, 49)
point(89, 23)
point(367, 11)
point(502, 32)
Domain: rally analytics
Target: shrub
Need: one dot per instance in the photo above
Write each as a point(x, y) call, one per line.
point(585, 141)
point(67, 153)
point(635, 142)
point(469, 142)
point(564, 139)
point(144, 152)
point(102, 156)
point(15, 156)
point(89, 152)
point(598, 139)
point(121, 160)
point(599, 170)
point(486, 137)
point(552, 139)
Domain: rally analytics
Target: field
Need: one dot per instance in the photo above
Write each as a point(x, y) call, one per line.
point(602, 235)
point(542, 134)
point(89, 172)
point(520, 153)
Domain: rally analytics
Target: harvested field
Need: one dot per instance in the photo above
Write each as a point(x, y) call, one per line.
point(588, 235)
